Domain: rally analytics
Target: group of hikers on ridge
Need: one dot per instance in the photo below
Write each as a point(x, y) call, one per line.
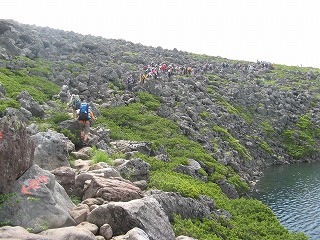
point(82, 111)
point(155, 71)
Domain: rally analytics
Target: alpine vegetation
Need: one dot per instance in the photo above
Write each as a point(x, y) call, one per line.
point(174, 142)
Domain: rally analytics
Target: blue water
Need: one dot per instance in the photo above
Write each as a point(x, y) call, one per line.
point(293, 193)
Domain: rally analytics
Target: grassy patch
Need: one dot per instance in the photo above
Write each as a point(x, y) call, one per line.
point(15, 82)
point(302, 141)
point(100, 156)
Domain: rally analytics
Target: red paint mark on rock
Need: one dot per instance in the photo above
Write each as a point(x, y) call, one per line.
point(34, 184)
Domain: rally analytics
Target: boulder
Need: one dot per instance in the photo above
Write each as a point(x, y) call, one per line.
point(72, 125)
point(52, 150)
point(193, 170)
point(133, 234)
point(106, 231)
point(112, 189)
point(19, 233)
point(89, 226)
point(65, 176)
point(186, 207)
point(26, 101)
point(69, 233)
point(22, 114)
point(135, 170)
point(228, 189)
point(37, 202)
point(145, 213)
point(131, 146)
point(16, 151)
point(80, 212)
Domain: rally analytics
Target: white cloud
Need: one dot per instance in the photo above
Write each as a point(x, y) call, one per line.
point(279, 31)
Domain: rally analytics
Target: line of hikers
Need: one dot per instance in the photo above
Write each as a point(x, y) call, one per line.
point(82, 111)
point(154, 71)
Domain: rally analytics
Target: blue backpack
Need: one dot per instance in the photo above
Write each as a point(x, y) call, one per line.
point(84, 112)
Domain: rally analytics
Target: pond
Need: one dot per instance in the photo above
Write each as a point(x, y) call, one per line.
point(293, 193)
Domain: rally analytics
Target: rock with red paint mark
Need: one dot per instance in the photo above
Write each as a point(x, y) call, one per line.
point(37, 202)
point(16, 151)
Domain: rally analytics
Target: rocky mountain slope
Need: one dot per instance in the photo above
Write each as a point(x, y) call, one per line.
point(245, 115)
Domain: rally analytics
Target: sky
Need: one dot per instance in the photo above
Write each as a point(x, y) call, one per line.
point(277, 31)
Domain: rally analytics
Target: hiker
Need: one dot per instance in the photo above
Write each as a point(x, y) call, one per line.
point(143, 78)
point(155, 73)
point(170, 72)
point(130, 82)
point(75, 103)
point(85, 118)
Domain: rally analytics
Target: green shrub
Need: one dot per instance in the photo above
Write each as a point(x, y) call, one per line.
point(301, 142)
point(9, 102)
point(267, 128)
point(265, 146)
point(215, 177)
point(204, 115)
point(150, 101)
point(233, 142)
point(40, 89)
point(74, 137)
point(100, 156)
point(239, 184)
point(75, 199)
point(250, 220)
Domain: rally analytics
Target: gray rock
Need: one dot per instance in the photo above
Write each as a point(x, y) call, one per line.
point(70, 233)
point(186, 207)
point(64, 94)
point(19, 233)
point(135, 170)
point(130, 146)
point(145, 213)
point(192, 170)
point(26, 101)
point(89, 226)
point(52, 150)
point(106, 231)
point(133, 234)
point(79, 213)
point(23, 114)
point(228, 189)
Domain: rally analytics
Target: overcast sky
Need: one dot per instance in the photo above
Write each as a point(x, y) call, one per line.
point(277, 31)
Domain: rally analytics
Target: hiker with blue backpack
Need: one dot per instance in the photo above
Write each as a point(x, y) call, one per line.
point(85, 117)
